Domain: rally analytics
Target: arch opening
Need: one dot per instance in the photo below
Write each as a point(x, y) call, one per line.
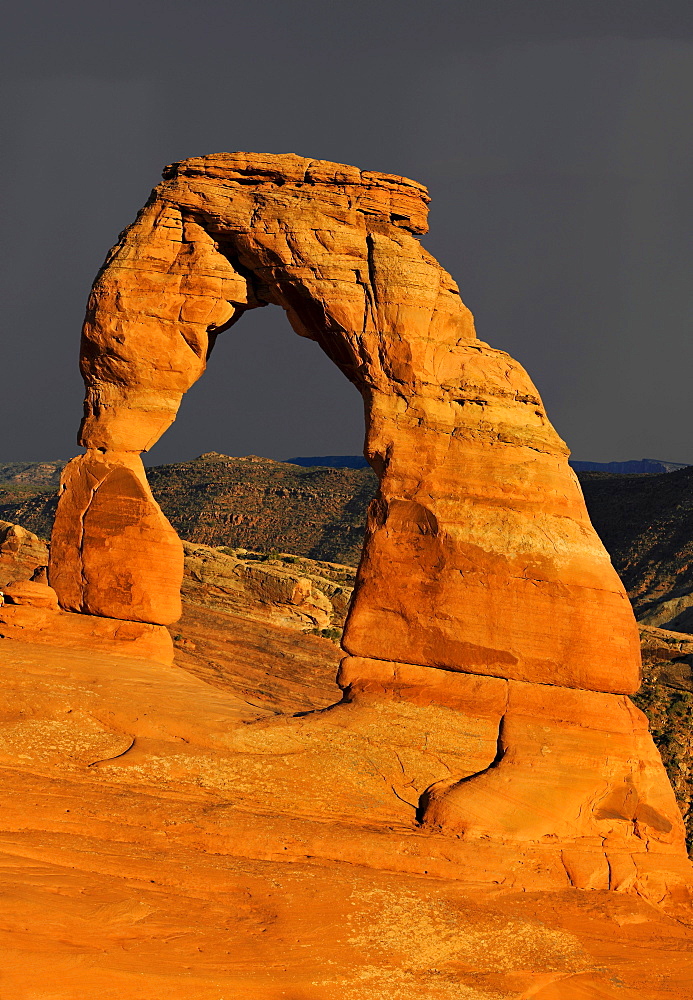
point(265, 392)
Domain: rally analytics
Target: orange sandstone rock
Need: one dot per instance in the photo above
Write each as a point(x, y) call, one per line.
point(479, 559)
point(480, 556)
point(32, 594)
point(148, 850)
point(524, 795)
point(46, 625)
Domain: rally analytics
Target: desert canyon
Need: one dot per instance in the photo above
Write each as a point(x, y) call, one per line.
point(475, 809)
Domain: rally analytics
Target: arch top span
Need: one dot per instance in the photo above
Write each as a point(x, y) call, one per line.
point(334, 246)
point(390, 197)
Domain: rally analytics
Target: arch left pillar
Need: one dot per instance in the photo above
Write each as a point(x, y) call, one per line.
point(144, 343)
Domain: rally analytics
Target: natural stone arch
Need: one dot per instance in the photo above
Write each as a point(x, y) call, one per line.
point(479, 559)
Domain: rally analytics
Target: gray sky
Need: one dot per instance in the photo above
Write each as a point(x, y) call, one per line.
point(554, 137)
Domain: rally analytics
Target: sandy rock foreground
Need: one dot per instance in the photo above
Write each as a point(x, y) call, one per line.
point(165, 835)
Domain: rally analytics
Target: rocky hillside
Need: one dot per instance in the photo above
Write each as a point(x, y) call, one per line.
point(17, 478)
point(28, 494)
point(251, 502)
point(666, 698)
point(646, 524)
point(256, 503)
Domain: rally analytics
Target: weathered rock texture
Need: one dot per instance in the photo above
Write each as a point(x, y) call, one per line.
point(480, 560)
point(161, 837)
point(254, 650)
point(113, 553)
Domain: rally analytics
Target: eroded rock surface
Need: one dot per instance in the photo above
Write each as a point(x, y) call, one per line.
point(478, 514)
point(113, 553)
point(168, 835)
point(162, 832)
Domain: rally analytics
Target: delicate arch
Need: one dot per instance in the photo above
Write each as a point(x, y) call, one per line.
point(479, 555)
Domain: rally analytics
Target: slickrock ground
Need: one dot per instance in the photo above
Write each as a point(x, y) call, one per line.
point(229, 651)
point(147, 851)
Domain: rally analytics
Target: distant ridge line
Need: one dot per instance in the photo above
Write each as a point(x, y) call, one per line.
point(643, 466)
point(331, 461)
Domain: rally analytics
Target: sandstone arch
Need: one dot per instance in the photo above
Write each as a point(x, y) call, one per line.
point(480, 555)
point(479, 559)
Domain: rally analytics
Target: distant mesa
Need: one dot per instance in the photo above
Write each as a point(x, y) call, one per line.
point(646, 466)
point(643, 466)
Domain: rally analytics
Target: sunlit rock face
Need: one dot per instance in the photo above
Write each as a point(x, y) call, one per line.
point(479, 556)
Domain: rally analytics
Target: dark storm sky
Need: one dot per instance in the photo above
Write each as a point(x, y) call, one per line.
point(554, 137)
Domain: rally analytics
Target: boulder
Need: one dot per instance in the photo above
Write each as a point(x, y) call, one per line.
point(32, 594)
point(113, 553)
point(21, 553)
